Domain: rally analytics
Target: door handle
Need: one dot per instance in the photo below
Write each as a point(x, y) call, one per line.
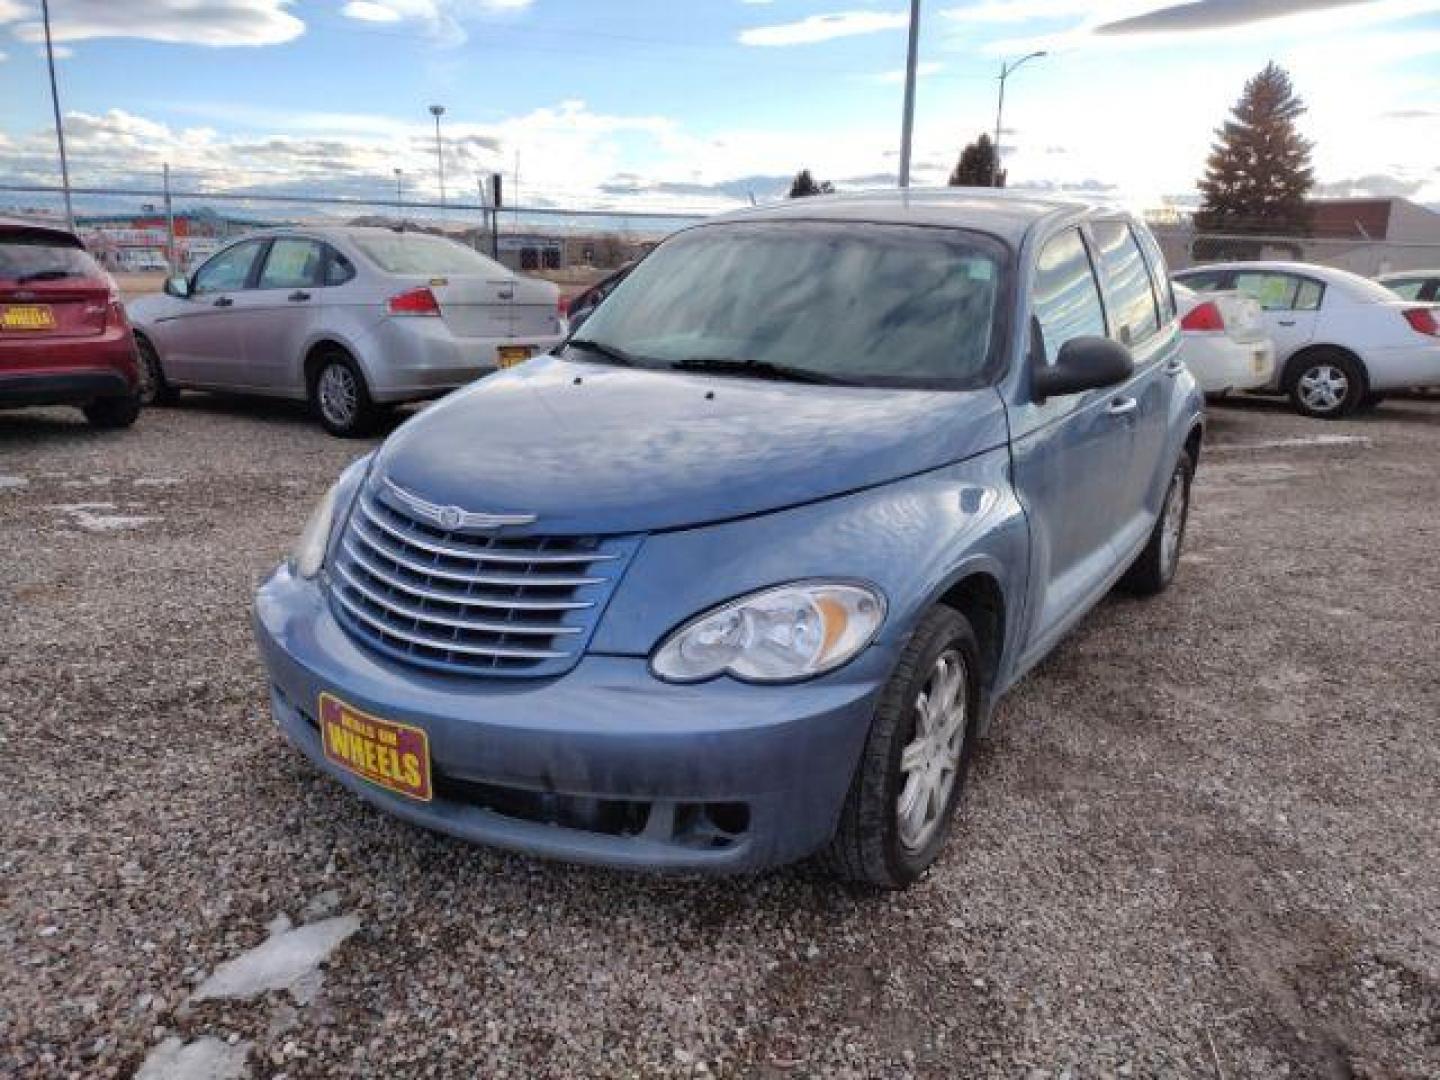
point(224, 301)
point(506, 295)
point(1123, 406)
point(1286, 322)
point(299, 294)
point(1175, 367)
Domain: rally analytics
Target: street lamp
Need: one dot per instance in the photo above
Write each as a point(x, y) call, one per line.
point(59, 123)
point(1005, 73)
point(907, 122)
point(438, 111)
point(399, 192)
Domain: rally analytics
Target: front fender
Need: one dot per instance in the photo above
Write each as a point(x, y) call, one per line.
point(913, 538)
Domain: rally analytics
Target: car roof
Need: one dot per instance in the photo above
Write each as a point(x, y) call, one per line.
point(1347, 281)
point(1008, 215)
point(55, 232)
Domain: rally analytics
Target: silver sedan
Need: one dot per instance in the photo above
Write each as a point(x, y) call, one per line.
point(350, 319)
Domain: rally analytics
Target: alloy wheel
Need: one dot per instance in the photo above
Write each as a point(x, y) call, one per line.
point(339, 395)
point(1172, 525)
point(1323, 388)
point(930, 762)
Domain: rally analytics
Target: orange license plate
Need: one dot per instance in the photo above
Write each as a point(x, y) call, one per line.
point(27, 317)
point(510, 355)
point(393, 756)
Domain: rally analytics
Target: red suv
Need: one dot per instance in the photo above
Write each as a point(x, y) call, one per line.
point(64, 337)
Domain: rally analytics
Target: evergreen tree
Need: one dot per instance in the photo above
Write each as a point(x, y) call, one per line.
point(978, 166)
point(1258, 172)
point(804, 184)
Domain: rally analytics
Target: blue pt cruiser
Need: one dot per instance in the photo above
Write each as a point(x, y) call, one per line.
point(737, 574)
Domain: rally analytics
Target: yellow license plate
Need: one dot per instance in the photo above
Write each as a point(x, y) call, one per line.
point(27, 317)
point(510, 355)
point(393, 756)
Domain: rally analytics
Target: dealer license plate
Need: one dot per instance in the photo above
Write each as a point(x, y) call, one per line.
point(393, 756)
point(510, 355)
point(27, 317)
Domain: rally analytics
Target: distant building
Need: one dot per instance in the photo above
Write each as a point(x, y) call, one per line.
point(139, 241)
point(1374, 219)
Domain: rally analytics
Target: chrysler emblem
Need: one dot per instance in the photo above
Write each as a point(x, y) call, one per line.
point(451, 518)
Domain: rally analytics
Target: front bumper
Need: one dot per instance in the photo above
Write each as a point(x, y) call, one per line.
point(604, 765)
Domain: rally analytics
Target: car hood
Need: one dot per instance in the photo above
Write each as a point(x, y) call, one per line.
point(589, 449)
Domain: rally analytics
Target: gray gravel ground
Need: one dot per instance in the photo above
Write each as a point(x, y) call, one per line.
point(1204, 839)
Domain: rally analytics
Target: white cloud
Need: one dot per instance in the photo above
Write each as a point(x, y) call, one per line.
point(442, 20)
point(187, 22)
point(368, 11)
point(923, 70)
point(816, 28)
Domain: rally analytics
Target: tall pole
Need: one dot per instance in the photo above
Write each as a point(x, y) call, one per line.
point(170, 259)
point(59, 123)
point(1005, 73)
point(400, 194)
point(438, 111)
point(907, 123)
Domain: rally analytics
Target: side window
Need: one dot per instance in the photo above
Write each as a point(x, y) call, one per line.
point(1201, 280)
point(1272, 291)
point(1308, 295)
point(1128, 294)
point(1067, 299)
point(338, 268)
point(1159, 276)
point(292, 264)
point(1406, 290)
point(227, 270)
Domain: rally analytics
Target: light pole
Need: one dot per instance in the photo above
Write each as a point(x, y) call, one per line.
point(59, 123)
point(438, 111)
point(907, 123)
point(400, 193)
point(1005, 73)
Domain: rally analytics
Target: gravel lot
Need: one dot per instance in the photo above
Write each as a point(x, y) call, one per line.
point(1204, 839)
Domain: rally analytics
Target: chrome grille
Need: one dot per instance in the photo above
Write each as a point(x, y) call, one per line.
point(468, 602)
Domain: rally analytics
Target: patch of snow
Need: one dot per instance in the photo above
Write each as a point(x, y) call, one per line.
point(9, 483)
point(156, 481)
point(204, 1059)
point(1296, 441)
point(88, 517)
point(289, 959)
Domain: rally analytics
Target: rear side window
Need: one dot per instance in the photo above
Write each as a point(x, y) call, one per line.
point(1159, 276)
point(1307, 296)
point(416, 253)
point(1067, 298)
point(291, 264)
point(1406, 290)
point(228, 270)
point(38, 257)
point(1128, 294)
point(338, 268)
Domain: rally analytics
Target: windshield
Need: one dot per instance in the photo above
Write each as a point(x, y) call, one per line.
point(42, 258)
point(877, 305)
point(416, 253)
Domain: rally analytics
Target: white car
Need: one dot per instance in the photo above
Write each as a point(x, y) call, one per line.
point(1341, 340)
point(1224, 342)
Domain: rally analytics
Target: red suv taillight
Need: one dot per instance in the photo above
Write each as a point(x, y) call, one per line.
point(1422, 320)
point(419, 301)
point(1204, 316)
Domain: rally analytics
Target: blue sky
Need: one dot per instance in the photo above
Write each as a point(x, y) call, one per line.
point(696, 103)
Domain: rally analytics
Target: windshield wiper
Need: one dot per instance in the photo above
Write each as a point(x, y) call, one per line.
point(609, 352)
point(46, 275)
point(760, 369)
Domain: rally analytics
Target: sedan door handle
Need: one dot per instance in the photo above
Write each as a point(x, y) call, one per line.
point(1123, 406)
point(224, 301)
point(506, 295)
point(298, 294)
point(1286, 322)
point(1175, 367)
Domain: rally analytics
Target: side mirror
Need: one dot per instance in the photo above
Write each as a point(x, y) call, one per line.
point(1084, 363)
point(178, 285)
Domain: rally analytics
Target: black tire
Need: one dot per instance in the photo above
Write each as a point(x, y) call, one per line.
point(1327, 384)
point(154, 389)
point(1154, 569)
point(869, 845)
point(339, 396)
point(113, 412)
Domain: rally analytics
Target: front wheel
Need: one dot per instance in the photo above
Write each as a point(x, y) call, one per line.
point(1155, 568)
point(340, 398)
point(903, 795)
point(154, 389)
point(1328, 385)
point(113, 412)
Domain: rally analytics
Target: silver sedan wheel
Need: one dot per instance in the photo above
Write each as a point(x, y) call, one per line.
point(930, 762)
point(1172, 523)
point(1323, 388)
point(339, 395)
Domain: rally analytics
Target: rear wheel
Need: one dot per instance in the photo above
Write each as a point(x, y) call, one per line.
point(1155, 569)
point(113, 412)
point(340, 398)
point(1327, 384)
point(154, 390)
point(903, 795)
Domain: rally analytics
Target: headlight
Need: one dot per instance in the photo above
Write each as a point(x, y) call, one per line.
point(778, 635)
point(308, 554)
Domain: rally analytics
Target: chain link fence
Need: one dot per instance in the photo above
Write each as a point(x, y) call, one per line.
point(1185, 247)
